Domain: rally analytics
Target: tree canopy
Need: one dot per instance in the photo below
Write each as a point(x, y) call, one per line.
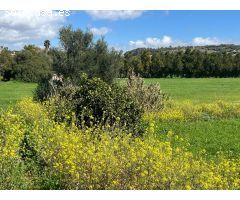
point(29, 64)
point(80, 53)
point(187, 62)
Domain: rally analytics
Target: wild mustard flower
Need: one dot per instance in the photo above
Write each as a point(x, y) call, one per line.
point(79, 159)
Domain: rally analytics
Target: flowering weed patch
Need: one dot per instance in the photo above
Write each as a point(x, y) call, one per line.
point(67, 157)
point(187, 111)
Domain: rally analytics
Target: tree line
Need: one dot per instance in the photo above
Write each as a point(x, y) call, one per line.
point(78, 52)
point(187, 62)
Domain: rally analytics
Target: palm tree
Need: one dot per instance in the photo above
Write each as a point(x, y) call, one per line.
point(47, 45)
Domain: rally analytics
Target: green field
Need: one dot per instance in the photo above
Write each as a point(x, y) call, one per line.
point(12, 91)
point(213, 135)
point(200, 89)
point(196, 90)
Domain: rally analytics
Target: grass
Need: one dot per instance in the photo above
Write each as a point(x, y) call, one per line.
point(213, 135)
point(12, 91)
point(199, 90)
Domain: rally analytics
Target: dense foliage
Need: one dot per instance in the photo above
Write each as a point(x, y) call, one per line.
point(189, 62)
point(80, 53)
point(93, 102)
point(6, 62)
point(29, 64)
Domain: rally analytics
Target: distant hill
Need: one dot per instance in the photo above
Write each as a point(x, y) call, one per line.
point(229, 48)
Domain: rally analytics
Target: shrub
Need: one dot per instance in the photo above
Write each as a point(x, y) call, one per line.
point(149, 97)
point(43, 90)
point(6, 62)
point(31, 65)
point(94, 102)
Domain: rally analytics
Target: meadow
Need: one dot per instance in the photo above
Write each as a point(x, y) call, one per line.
point(195, 142)
point(199, 90)
point(196, 90)
point(12, 91)
point(213, 135)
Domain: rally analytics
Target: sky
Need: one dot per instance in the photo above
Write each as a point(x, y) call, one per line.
point(123, 30)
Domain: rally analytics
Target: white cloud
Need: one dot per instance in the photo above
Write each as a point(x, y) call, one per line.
point(100, 31)
point(27, 27)
point(200, 41)
point(115, 14)
point(166, 41)
point(153, 42)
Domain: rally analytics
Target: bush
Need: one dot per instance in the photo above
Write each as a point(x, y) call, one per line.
point(94, 102)
point(31, 65)
point(6, 74)
point(43, 90)
point(149, 97)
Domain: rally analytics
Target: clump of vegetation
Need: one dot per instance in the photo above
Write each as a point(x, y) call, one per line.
point(94, 102)
point(150, 97)
point(30, 65)
point(80, 54)
point(87, 70)
point(6, 62)
point(48, 87)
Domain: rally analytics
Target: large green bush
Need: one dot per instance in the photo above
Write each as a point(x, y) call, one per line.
point(93, 102)
point(31, 65)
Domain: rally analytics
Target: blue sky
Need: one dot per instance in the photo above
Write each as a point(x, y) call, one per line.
point(127, 29)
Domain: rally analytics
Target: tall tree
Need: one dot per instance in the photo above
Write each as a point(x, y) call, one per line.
point(47, 45)
point(146, 59)
point(85, 55)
